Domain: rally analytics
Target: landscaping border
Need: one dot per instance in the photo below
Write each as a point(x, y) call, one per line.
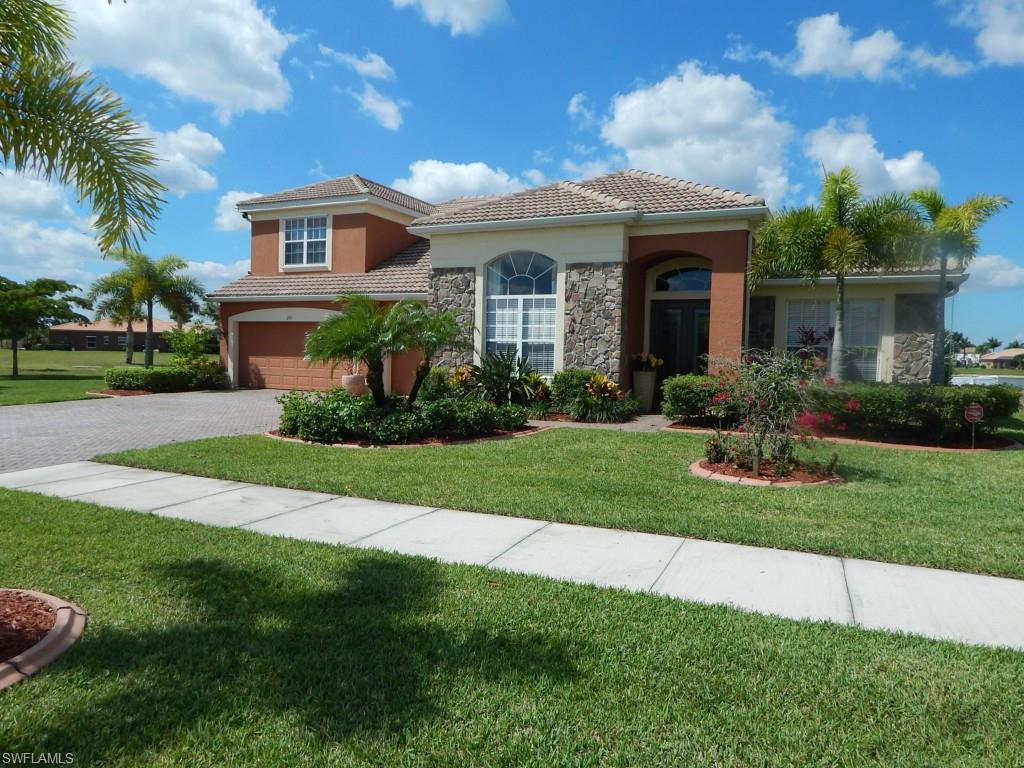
point(1014, 445)
point(438, 444)
point(69, 623)
point(706, 474)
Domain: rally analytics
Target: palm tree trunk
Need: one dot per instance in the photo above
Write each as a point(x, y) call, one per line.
point(14, 355)
point(837, 366)
point(149, 334)
point(938, 375)
point(422, 371)
point(129, 347)
point(375, 382)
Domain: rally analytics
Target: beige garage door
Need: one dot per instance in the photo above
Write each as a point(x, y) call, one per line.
point(270, 357)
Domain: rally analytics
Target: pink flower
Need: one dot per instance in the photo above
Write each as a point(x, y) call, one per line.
point(853, 405)
point(802, 384)
point(721, 397)
point(829, 381)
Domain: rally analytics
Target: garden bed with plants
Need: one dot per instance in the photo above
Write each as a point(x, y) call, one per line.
point(191, 369)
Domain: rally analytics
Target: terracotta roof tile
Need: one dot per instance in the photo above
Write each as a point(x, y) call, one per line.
point(106, 326)
point(343, 186)
point(405, 272)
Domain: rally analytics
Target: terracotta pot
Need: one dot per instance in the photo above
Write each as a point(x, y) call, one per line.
point(643, 389)
point(354, 383)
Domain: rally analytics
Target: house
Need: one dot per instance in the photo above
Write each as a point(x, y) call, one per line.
point(104, 334)
point(571, 274)
point(1007, 358)
point(968, 357)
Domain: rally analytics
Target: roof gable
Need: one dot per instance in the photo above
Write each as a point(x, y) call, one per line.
point(343, 186)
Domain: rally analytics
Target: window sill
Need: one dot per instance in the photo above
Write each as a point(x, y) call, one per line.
point(305, 268)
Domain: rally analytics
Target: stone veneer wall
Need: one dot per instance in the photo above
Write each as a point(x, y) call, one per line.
point(454, 289)
point(594, 318)
point(912, 342)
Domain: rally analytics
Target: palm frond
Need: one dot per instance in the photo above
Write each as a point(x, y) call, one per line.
point(840, 197)
point(32, 29)
point(930, 202)
point(789, 244)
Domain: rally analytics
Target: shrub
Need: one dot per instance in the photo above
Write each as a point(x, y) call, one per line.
point(603, 409)
point(504, 377)
point(437, 384)
point(204, 373)
point(189, 344)
point(688, 397)
point(337, 416)
point(569, 385)
point(148, 379)
point(540, 391)
point(916, 411)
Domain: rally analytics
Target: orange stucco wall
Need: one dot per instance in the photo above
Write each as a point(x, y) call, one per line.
point(727, 252)
point(403, 367)
point(263, 248)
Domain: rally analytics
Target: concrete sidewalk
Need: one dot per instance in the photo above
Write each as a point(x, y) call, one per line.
point(944, 605)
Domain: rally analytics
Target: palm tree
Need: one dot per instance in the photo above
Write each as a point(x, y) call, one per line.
point(952, 231)
point(1014, 344)
point(112, 296)
point(842, 235)
point(990, 344)
point(433, 332)
point(61, 124)
point(959, 341)
point(153, 282)
point(365, 331)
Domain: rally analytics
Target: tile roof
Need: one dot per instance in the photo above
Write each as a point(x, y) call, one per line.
point(405, 272)
point(627, 190)
point(106, 326)
point(343, 186)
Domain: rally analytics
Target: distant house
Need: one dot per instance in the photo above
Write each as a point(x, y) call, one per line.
point(103, 334)
point(1007, 358)
point(968, 357)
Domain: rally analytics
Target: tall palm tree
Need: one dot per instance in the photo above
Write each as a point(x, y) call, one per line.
point(432, 332)
point(844, 234)
point(61, 124)
point(156, 281)
point(112, 296)
point(365, 331)
point(952, 232)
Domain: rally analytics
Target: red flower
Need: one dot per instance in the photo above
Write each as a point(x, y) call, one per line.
point(721, 397)
point(802, 384)
point(853, 405)
point(829, 381)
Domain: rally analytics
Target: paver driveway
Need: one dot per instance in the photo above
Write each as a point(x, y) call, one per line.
point(53, 433)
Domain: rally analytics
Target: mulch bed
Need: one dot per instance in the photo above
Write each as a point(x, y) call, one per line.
point(981, 442)
point(802, 473)
point(24, 621)
point(499, 435)
point(121, 392)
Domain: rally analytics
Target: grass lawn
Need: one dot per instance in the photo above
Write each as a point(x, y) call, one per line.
point(940, 509)
point(48, 376)
point(214, 647)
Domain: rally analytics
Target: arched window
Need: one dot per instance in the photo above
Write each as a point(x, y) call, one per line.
point(520, 308)
point(684, 279)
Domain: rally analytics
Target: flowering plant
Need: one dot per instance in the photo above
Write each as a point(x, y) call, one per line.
point(601, 386)
point(647, 361)
point(462, 378)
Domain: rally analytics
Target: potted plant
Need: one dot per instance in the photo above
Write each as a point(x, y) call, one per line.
point(354, 382)
point(645, 377)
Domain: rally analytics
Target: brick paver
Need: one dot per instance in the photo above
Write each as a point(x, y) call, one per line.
point(53, 433)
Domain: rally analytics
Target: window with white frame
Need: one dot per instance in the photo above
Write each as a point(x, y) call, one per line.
point(520, 308)
point(90, 342)
point(810, 324)
point(305, 241)
point(122, 339)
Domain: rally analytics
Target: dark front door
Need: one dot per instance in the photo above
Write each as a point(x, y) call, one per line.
point(679, 335)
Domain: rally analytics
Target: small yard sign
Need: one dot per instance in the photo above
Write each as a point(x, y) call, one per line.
point(974, 413)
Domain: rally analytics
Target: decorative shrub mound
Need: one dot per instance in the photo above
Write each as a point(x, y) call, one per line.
point(919, 412)
point(336, 416)
point(191, 368)
point(590, 397)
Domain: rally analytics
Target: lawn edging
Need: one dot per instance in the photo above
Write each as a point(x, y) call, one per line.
point(69, 623)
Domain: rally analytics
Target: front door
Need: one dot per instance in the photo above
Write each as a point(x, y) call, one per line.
point(679, 335)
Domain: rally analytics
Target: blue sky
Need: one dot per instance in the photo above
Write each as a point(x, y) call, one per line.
point(449, 97)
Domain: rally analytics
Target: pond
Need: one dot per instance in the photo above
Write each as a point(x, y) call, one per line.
point(988, 381)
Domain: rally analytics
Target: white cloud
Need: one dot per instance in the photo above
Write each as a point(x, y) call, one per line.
point(994, 273)
point(386, 111)
point(28, 197)
point(228, 219)
point(435, 180)
point(223, 52)
point(711, 128)
point(580, 111)
point(214, 274)
point(1000, 26)
point(462, 17)
point(535, 176)
point(836, 144)
point(183, 153)
point(371, 65)
point(588, 169)
point(824, 46)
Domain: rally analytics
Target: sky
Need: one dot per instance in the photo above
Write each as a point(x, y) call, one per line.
point(442, 98)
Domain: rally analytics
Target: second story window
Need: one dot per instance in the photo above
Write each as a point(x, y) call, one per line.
point(305, 241)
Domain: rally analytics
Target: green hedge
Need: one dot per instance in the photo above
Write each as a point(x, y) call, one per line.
point(199, 374)
point(568, 386)
point(569, 395)
point(921, 411)
point(336, 416)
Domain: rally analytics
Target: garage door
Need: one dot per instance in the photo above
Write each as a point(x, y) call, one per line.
point(270, 357)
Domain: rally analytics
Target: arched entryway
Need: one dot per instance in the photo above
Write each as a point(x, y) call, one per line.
point(678, 314)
